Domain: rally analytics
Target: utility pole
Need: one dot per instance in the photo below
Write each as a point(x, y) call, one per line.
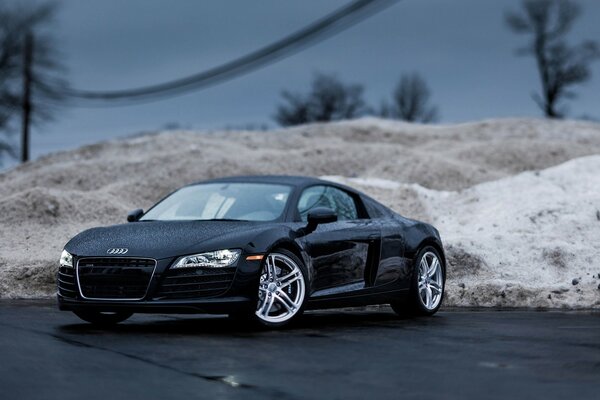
point(26, 101)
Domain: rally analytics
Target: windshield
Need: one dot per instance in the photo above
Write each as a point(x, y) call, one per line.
point(218, 201)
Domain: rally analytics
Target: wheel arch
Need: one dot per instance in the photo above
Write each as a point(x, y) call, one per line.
point(288, 245)
point(431, 241)
point(294, 248)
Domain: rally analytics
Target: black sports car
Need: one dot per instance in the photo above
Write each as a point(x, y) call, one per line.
point(263, 247)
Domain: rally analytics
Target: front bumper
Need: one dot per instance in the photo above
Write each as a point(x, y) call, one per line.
point(218, 305)
point(165, 292)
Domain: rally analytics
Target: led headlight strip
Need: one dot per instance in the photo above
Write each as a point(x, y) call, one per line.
point(211, 259)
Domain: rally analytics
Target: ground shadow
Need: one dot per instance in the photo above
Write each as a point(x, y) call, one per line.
point(315, 324)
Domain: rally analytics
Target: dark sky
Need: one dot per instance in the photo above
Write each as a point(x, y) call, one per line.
point(461, 47)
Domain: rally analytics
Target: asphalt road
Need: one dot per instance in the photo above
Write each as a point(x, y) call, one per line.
point(47, 354)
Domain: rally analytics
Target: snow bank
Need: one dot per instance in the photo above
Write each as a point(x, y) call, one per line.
point(530, 240)
point(513, 240)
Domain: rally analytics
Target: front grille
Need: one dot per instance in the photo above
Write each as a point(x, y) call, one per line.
point(115, 278)
point(66, 282)
point(185, 283)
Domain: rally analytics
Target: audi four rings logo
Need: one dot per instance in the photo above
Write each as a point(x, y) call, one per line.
point(117, 250)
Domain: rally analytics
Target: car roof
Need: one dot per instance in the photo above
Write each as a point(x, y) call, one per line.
point(293, 180)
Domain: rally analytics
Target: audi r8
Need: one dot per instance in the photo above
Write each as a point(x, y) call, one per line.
point(259, 247)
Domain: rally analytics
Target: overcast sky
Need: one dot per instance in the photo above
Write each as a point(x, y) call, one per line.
point(461, 47)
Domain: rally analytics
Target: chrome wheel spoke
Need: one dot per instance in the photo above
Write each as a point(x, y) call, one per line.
point(427, 297)
point(266, 306)
point(285, 300)
point(284, 278)
point(436, 287)
point(271, 274)
point(423, 267)
point(433, 267)
point(289, 281)
point(267, 269)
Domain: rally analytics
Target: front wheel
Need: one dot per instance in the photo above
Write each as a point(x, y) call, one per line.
point(427, 286)
point(281, 290)
point(103, 318)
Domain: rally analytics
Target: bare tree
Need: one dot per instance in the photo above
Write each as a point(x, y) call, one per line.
point(329, 100)
point(295, 112)
point(411, 101)
point(30, 74)
point(560, 66)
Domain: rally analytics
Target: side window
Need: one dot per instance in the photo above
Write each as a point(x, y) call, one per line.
point(372, 208)
point(327, 196)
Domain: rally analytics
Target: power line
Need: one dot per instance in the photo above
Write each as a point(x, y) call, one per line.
point(329, 25)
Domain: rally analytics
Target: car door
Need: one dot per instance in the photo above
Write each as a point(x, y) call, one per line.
point(393, 265)
point(344, 252)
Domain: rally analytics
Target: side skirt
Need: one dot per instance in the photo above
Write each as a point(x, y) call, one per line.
point(356, 300)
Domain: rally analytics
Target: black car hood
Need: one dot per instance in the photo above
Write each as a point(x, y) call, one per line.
point(163, 239)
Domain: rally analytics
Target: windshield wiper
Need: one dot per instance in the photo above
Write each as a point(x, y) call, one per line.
point(224, 219)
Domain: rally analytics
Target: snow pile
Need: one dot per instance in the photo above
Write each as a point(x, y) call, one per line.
point(514, 239)
point(530, 240)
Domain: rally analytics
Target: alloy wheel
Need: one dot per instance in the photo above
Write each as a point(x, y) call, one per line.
point(431, 281)
point(281, 290)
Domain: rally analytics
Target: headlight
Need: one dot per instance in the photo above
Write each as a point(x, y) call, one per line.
point(66, 259)
point(213, 259)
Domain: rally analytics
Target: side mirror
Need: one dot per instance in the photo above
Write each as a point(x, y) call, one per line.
point(320, 215)
point(135, 215)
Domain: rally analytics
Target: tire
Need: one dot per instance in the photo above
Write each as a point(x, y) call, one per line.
point(103, 318)
point(282, 294)
point(419, 302)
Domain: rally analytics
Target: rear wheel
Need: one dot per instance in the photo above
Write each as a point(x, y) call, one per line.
point(281, 290)
point(103, 318)
point(427, 285)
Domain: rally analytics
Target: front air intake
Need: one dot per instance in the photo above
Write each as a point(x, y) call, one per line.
point(114, 278)
point(189, 283)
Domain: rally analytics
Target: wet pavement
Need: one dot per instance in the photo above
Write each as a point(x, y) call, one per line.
point(457, 354)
